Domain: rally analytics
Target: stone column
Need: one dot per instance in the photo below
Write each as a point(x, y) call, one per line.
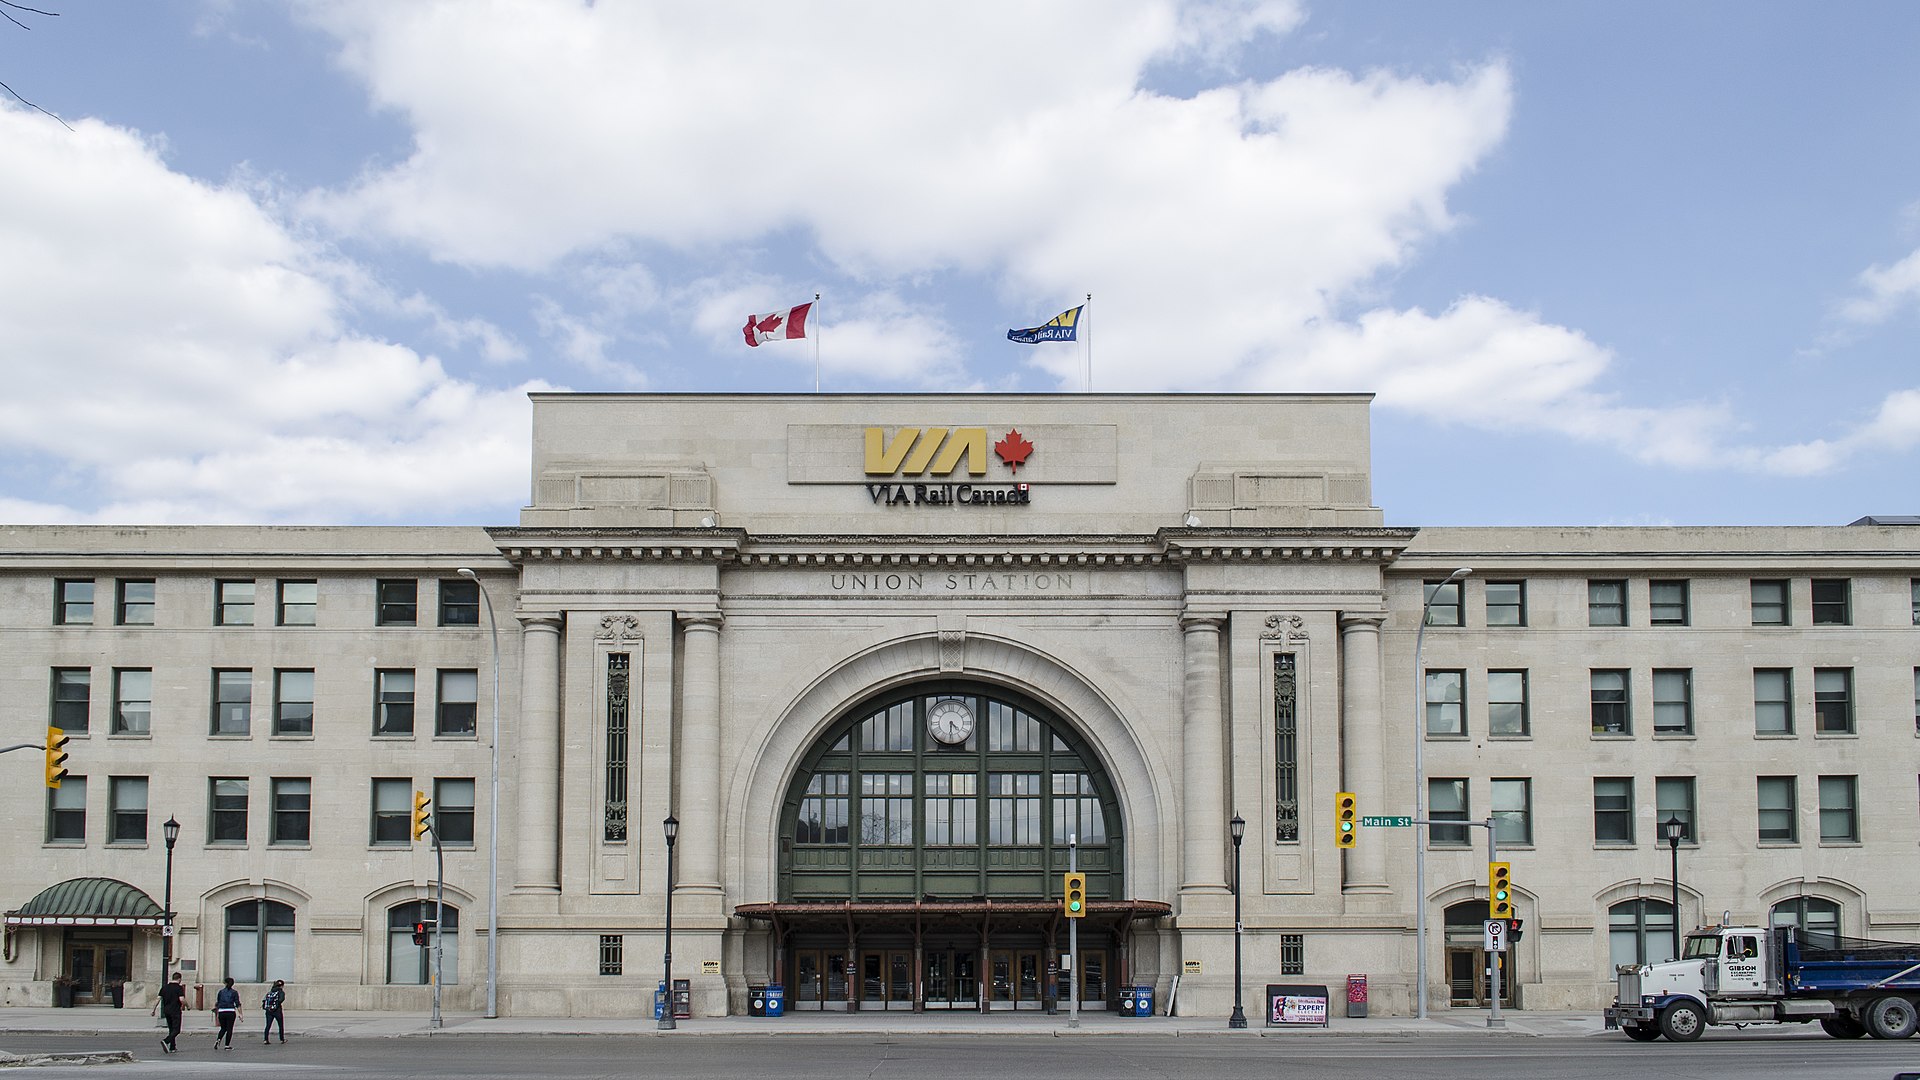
point(538, 813)
point(1364, 731)
point(698, 786)
point(1203, 814)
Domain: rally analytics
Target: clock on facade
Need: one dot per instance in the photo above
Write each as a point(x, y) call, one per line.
point(950, 721)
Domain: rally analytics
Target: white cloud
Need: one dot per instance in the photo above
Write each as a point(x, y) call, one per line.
point(1884, 291)
point(183, 353)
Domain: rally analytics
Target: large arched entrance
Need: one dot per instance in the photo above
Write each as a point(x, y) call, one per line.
point(923, 842)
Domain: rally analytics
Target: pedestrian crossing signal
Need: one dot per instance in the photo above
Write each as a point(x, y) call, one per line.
point(1346, 820)
point(1499, 890)
point(421, 930)
point(1073, 896)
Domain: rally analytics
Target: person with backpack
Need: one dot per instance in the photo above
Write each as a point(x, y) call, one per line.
point(273, 1005)
point(226, 1010)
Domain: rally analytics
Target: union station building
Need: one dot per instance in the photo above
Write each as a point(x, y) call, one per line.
point(895, 664)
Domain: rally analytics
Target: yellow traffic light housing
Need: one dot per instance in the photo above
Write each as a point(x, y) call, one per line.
point(1073, 896)
point(56, 756)
point(1346, 820)
point(1499, 890)
point(422, 820)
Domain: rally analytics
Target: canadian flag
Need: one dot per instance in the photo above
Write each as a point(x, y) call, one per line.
point(778, 325)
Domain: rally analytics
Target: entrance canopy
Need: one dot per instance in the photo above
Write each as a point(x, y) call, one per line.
point(88, 902)
point(822, 915)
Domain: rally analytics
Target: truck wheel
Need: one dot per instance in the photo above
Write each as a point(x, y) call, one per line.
point(1641, 1034)
point(1683, 1021)
point(1891, 1017)
point(1842, 1026)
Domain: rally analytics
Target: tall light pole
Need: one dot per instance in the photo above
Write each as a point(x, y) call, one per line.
point(1420, 792)
point(493, 815)
point(1671, 829)
point(171, 833)
point(672, 828)
point(1238, 827)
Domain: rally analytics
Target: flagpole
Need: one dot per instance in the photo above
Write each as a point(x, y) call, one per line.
point(818, 330)
point(1087, 317)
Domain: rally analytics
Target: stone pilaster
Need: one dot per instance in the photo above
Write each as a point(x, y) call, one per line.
point(1203, 817)
point(1363, 729)
point(538, 824)
point(697, 789)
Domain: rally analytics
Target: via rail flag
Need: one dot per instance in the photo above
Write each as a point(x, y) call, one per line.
point(1062, 327)
point(778, 325)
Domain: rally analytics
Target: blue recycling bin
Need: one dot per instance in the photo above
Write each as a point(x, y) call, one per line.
point(776, 1000)
point(1143, 1001)
point(1126, 1001)
point(660, 1002)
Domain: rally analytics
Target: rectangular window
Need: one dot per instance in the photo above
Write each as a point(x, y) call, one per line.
point(398, 600)
point(1673, 798)
point(1833, 701)
point(293, 701)
point(823, 811)
point(886, 809)
point(126, 809)
point(135, 605)
point(132, 701)
point(1286, 749)
point(292, 810)
point(299, 603)
point(1673, 701)
point(459, 602)
point(453, 811)
point(1773, 701)
point(227, 810)
point(1606, 603)
point(1507, 703)
point(1076, 810)
point(1915, 586)
point(67, 812)
point(1293, 954)
point(1839, 814)
point(73, 602)
point(392, 812)
point(1832, 602)
point(952, 809)
point(233, 603)
point(1770, 602)
point(1447, 801)
point(1513, 810)
point(459, 704)
point(1443, 603)
point(232, 702)
point(613, 949)
point(1506, 603)
point(1916, 701)
point(1613, 810)
point(393, 702)
point(1013, 809)
point(72, 699)
point(1779, 809)
point(1668, 603)
point(1446, 703)
point(1612, 712)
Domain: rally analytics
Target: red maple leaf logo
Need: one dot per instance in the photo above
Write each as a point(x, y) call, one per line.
point(1013, 450)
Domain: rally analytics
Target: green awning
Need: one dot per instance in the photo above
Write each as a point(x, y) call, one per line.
point(89, 902)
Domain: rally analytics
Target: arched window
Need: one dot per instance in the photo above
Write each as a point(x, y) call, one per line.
point(412, 964)
point(259, 941)
point(1813, 916)
point(1641, 932)
point(947, 791)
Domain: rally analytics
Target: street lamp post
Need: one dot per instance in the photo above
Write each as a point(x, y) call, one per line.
point(1420, 793)
point(1238, 827)
point(171, 833)
point(672, 828)
point(1672, 829)
point(493, 815)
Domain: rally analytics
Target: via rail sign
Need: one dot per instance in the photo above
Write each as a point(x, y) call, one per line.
point(1387, 822)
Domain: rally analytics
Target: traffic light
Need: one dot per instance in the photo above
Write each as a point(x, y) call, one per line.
point(56, 756)
point(422, 820)
point(1073, 896)
point(421, 930)
point(1346, 820)
point(1499, 890)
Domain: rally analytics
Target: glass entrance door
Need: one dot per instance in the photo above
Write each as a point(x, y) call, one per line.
point(1093, 979)
point(886, 979)
point(820, 978)
point(951, 981)
point(1467, 978)
point(1016, 979)
point(93, 967)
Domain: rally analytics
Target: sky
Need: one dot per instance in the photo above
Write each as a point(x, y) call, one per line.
point(1602, 262)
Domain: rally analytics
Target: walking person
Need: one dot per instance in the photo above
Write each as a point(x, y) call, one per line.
point(172, 1004)
point(226, 1009)
point(273, 1005)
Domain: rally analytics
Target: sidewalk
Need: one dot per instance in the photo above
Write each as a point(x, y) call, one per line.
point(369, 1025)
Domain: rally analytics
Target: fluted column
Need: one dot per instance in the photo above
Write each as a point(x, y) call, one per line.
point(1363, 727)
point(538, 815)
point(1203, 816)
point(698, 786)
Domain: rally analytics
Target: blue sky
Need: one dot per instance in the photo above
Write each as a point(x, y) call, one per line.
point(1602, 263)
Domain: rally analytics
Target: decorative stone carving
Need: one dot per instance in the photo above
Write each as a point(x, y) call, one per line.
point(953, 650)
point(1288, 630)
point(619, 629)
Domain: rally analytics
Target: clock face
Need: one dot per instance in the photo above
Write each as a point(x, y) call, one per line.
point(950, 721)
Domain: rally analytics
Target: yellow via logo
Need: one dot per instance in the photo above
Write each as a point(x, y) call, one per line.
point(914, 451)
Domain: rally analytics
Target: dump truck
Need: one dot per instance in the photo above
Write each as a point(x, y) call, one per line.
point(1739, 975)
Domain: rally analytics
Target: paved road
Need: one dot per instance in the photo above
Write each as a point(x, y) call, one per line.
point(953, 1057)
